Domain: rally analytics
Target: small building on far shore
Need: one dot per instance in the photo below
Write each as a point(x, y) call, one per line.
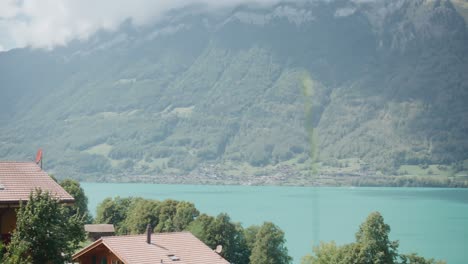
point(97, 231)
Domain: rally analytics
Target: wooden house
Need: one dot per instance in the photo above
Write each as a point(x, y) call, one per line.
point(168, 248)
point(97, 231)
point(17, 181)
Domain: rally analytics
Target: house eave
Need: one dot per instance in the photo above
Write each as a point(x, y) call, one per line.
point(16, 203)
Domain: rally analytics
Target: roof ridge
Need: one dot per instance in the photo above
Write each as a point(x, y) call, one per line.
point(144, 234)
point(15, 161)
point(168, 233)
point(114, 236)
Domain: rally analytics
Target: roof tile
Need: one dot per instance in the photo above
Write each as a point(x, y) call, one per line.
point(19, 179)
point(100, 228)
point(183, 245)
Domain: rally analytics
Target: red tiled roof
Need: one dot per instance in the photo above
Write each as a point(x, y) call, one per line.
point(18, 179)
point(134, 249)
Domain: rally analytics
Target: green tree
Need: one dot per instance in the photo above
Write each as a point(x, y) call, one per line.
point(81, 201)
point(17, 253)
point(326, 253)
point(2, 249)
point(250, 234)
point(221, 231)
point(270, 246)
point(131, 215)
point(201, 228)
point(375, 246)
point(167, 211)
point(372, 246)
point(114, 211)
point(45, 232)
point(415, 259)
point(231, 237)
point(185, 214)
point(140, 214)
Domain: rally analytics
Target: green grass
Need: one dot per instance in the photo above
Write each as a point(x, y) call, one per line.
point(101, 149)
point(154, 163)
point(350, 165)
point(431, 170)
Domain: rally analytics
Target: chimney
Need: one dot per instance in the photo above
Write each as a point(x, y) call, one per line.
point(148, 234)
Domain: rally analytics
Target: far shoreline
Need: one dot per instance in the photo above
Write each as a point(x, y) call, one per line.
point(373, 182)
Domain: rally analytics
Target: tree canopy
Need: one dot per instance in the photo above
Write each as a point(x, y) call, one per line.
point(80, 206)
point(269, 246)
point(114, 211)
point(45, 232)
point(220, 230)
point(131, 215)
point(372, 246)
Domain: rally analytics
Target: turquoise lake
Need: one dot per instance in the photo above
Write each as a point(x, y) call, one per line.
point(431, 222)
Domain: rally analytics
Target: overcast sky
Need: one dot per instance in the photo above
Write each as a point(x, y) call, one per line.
point(48, 23)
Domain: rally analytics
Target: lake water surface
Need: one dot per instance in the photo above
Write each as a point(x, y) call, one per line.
point(431, 222)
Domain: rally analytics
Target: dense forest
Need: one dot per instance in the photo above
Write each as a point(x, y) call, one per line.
point(251, 95)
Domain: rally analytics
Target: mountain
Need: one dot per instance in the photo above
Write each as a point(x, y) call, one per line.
point(364, 90)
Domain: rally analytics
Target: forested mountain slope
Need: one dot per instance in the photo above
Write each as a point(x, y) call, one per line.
point(247, 95)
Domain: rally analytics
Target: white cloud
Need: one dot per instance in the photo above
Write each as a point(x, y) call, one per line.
point(8, 8)
point(51, 23)
point(48, 23)
point(344, 12)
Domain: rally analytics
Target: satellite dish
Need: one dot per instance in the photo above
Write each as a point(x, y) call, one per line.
point(218, 249)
